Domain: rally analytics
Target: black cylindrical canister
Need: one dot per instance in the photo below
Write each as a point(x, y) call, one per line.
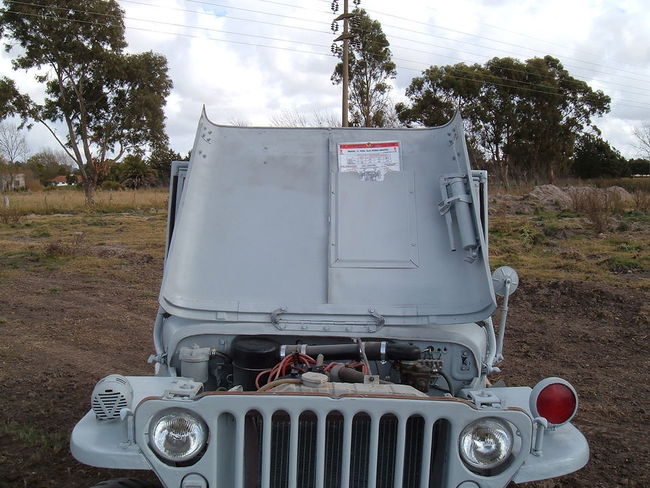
point(251, 356)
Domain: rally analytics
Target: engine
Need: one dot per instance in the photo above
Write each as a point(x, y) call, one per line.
point(279, 364)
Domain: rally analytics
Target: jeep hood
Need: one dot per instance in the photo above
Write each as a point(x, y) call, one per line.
point(354, 225)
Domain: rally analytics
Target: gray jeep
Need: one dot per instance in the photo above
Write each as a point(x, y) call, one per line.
point(325, 321)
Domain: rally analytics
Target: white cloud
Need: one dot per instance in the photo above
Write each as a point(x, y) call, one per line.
point(215, 60)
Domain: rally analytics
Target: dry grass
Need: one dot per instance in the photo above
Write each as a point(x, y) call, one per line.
point(597, 204)
point(10, 215)
point(641, 201)
point(640, 184)
point(67, 200)
point(551, 244)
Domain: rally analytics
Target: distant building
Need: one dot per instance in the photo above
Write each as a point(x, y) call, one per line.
point(12, 181)
point(59, 181)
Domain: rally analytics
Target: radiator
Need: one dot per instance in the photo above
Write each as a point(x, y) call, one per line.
point(333, 450)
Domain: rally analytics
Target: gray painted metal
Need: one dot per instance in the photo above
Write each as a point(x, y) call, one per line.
point(223, 461)
point(265, 222)
point(104, 444)
point(269, 222)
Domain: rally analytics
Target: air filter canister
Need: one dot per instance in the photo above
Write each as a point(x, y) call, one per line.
point(251, 356)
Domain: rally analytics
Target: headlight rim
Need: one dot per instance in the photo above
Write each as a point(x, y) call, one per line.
point(192, 456)
point(494, 468)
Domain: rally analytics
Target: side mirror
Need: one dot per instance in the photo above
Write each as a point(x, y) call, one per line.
point(505, 281)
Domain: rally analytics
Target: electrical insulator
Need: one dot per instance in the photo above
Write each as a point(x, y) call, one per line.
point(335, 27)
point(333, 49)
point(356, 2)
point(335, 6)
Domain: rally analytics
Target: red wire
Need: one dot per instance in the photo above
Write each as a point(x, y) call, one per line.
point(296, 360)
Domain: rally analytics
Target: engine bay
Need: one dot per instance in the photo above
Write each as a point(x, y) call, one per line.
point(284, 363)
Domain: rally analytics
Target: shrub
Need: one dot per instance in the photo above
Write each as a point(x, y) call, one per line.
point(593, 204)
point(10, 215)
point(112, 185)
point(641, 201)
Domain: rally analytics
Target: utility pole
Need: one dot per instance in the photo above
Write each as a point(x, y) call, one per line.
point(345, 37)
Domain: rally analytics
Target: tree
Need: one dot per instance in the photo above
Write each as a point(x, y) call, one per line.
point(294, 118)
point(48, 164)
point(109, 102)
point(523, 116)
point(12, 143)
point(642, 135)
point(12, 149)
point(639, 166)
point(370, 68)
point(135, 172)
point(595, 158)
point(161, 162)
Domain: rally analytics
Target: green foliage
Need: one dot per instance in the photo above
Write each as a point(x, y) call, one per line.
point(639, 166)
point(110, 101)
point(161, 162)
point(134, 172)
point(523, 116)
point(370, 67)
point(623, 264)
point(594, 157)
point(111, 185)
point(47, 164)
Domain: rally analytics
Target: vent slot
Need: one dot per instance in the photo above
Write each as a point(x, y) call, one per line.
point(387, 448)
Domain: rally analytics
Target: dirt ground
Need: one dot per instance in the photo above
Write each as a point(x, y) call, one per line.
point(63, 327)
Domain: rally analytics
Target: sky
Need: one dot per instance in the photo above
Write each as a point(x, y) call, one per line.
point(248, 61)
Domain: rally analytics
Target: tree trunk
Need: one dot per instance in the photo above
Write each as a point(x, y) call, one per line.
point(89, 191)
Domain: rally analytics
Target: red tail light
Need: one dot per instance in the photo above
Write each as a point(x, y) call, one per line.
point(555, 400)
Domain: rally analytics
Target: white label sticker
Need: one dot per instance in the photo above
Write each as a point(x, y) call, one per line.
point(371, 160)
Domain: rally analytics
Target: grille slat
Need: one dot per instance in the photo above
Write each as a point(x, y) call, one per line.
point(334, 450)
point(239, 450)
point(399, 452)
point(293, 452)
point(373, 453)
point(320, 451)
point(427, 450)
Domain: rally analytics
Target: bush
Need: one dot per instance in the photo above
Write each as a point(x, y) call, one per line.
point(112, 186)
point(593, 204)
point(641, 201)
point(9, 215)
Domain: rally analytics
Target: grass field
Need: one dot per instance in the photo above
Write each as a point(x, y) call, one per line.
point(71, 200)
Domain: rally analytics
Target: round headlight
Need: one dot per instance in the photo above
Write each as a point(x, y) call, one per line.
point(486, 444)
point(177, 435)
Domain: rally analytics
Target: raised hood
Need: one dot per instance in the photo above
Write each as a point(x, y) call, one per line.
point(347, 227)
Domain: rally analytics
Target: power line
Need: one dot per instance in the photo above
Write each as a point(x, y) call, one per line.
point(200, 2)
point(478, 37)
point(505, 43)
point(17, 2)
point(274, 47)
point(513, 70)
point(183, 34)
point(313, 30)
point(539, 39)
point(408, 39)
point(501, 50)
point(396, 37)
